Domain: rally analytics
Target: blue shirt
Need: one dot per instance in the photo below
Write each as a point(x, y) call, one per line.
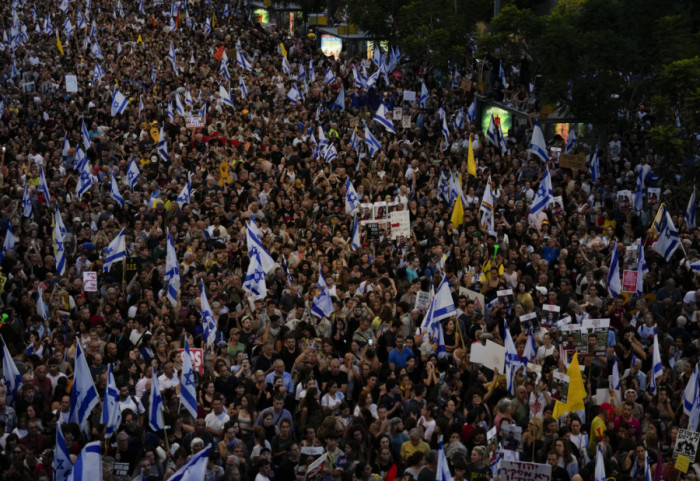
point(398, 358)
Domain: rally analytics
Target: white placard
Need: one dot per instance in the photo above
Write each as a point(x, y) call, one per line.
point(90, 281)
point(194, 122)
point(71, 83)
point(522, 471)
point(686, 444)
point(400, 224)
point(422, 301)
point(397, 113)
point(491, 356)
point(409, 95)
point(406, 122)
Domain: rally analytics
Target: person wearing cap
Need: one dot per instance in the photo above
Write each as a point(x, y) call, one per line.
point(599, 425)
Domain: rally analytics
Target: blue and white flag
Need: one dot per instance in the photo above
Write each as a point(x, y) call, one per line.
point(254, 281)
point(594, 168)
point(155, 409)
point(599, 464)
point(256, 248)
point(491, 134)
point(79, 20)
point(657, 368)
point(614, 283)
point(694, 414)
point(9, 243)
point(354, 140)
point(445, 134)
point(185, 194)
point(690, 394)
point(119, 46)
point(154, 74)
point(544, 195)
point(382, 117)
point(207, 317)
point(59, 234)
point(330, 76)
point(373, 145)
point(61, 463)
point(203, 111)
point(207, 27)
point(141, 107)
point(88, 466)
point(570, 140)
point(43, 185)
point(502, 75)
point(330, 153)
point(85, 136)
point(48, 28)
point(119, 102)
point(530, 350)
point(99, 73)
point(96, 51)
point(471, 112)
point(668, 237)
point(115, 251)
point(340, 100)
point(111, 412)
point(195, 468)
point(441, 350)
point(639, 192)
point(352, 200)
point(285, 66)
point(172, 272)
point(179, 106)
point(225, 96)
point(311, 73)
point(538, 146)
point(372, 80)
point(10, 375)
point(84, 178)
point(444, 187)
point(423, 99)
point(301, 76)
point(443, 468)
point(357, 79)
point(322, 304)
point(83, 395)
point(188, 392)
point(513, 362)
point(132, 174)
point(458, 122)
point(642, 268)
point(242, 61)
point(163, 146)
point(173, 58)
point(68, 27)
point(689, 211)
point(242, 88)
point(114, 191)
point(27, 208)
point(2, 106)
point(294, 95)
point(615, 376)
point(355, 238)
point(441, 306)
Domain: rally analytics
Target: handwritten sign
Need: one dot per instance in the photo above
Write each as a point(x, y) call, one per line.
point(400, 224)
point(397, 113)
point(197, 359)
point(682, 463)
point(521, 471)
point(686, 444)
point(629, 281)
point(409, 95)
point(90, 281)
point(572, 161)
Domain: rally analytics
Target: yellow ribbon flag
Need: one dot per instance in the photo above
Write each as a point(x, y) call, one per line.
point(283, 50)
point(213, 20)
point(58, 44)
point(458, 212)
point(471, 163)
point(577, 391)
point(139, 40)
point(656, 224)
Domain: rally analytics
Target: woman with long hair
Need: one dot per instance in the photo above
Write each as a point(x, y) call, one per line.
point(311, 412)
point(566, 460)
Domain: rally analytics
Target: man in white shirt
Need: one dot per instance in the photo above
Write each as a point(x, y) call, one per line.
point(127, 401)
point(216, 419)
point(169, 377)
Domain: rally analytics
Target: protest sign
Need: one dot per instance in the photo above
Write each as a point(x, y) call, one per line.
point(572, 161)
point(492, 356)
point(529, 321)
point(522, 471)
point(560, 386)
point(400, 224)
point(90, 281)
point(197, 356)
point(550, 315)
point(409, 95)
point(597, 340)
point(477, 297)
point(686, 444)
point(71, 83)
point(194, 122)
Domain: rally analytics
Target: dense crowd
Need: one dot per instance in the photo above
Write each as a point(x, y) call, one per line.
point(368, 386)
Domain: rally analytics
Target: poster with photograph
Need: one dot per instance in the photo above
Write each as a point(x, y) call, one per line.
point(557, 205)
point(624, 200)
point(529, 321)
point(506, 298)
point(406, 122)
point(380, 211)
point(570, 338)
point(686, 444)
point(512, 436)
point(560, 386)
point(653, 197)
point(550, 315)
point(365, 213)
point(597, 335)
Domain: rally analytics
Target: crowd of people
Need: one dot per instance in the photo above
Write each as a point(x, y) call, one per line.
point(368, 386)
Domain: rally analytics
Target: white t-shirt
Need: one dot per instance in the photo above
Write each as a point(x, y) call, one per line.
point(164, 382)
point(333, 403)
point(216, 421)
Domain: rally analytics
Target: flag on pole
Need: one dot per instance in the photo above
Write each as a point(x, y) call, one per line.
point(294, 95)
point(43, 185)
point(444, 187)
point(491, 134)
point(59, 45)
point(9, 242)
point(356, 241)
point(242, 88)
point(615, 376)
point(690, 211)
point(254, 281)
point(352, 200)
point(155, 410)
point(58, 235)
point(471, 162)
point(27, 208)
point(443, 468)
point(119, 102)
point(571, 140)
point(642, 268)
point(322, 304)
point(132, 174)
point(83, 394)
point(257, 248)
point(188, 392)
point(172, 272)
point(163, 146)
point(668, 237)
point(88, 466)
point(657, 368)
point(577, 391)
point(207, 317)
point(446, 134)
point(340, 100)
point(61, 458)
point(10, 375)
point(594, 168)
point(195, 468)
point(614, 283)
point(225, 96)
point(111, 412)
point(690, 394)
point(538, 146)
point(599, 474)
point(382, 117)
point(423, 99)
point(457, 217)
point(639, 192)
point(545, 194)
point(115, 251)
point(441, 306)
point(471, 112)
point(114, 191)
point(373, 145)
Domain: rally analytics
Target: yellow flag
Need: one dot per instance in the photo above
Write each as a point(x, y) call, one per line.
point(655, 225)
point(458, 212)
point(213, 20)
point(283, 50)
point(139, 40)
point(471, 163)
point(58, 44)
point(577, 391)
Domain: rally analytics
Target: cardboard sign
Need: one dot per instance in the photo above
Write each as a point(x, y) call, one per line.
point(550, 315)
point(522, 471)
point(422, 301)
point(400, 224)
point(90, 281)
point(682, 463)
point(560, 386)
point(71, 83)
point(512, 438)
point(194, 122)
point(491, 356)
point(686, 444)
point(529, 321)
point(629, 281)
point(506, 298)
point(406, 122)
point(197, 359)
point(477, 297)
point(397, 113)
point(597, 340)
point(409, 95)
point(572, 161)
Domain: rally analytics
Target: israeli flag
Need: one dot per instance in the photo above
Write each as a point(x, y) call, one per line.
point(443, 468)
point(441, 350)
point(544, 195)
point(225, 96)
point(615, 375)
point(330, 153)
point(63, 6)
point(207, 26)
point(657, 368)
point(294, 95)
point(256, 248)
point(172, 272)
point(114, 191)
point(690, 394)
point(357, 79)
point(599, 464)
point(301, 76)
point(173, 58)
point(185, 194)
point(111, 412)
point(423, 99)
point(689, 211)
point(141, 107)
point(445, 134)
point(85, 136)
point(93, 29)
point(225, 15)
point(444, 187)
point(372, 80)
point(188, 392)
point(502, 75)
point(243, 62)
point(48, 28)
point(356, 241)
point(84, 179)
point(171, 114)
point(43, 185)
point(242, 88)
point(571, 140)
point(594, 168)
point(195, 468)
point(115, 251)
point(96, 51)
point(119, 46)
point(163, 146)
point(203, 111)
point(285, 66)
point(61, 463)
point(441, 306)
point(312, 74)
point(352, 200)
point(207, 317)
point(491, 134)
point(81, 160)
point(132, 174)
point(119, 102)
point(530, 350)
point(668, 239)
point(538, 146)
point(642, 268)
point(27, 209)
point(99, 73)
point(153, 74)
point(373, 145)
point(59, 234)
point(155, 410)
point(382, 117)
point(614, 283)
point(330, 76)
point(322, 304)
point(68, 27)
point(513, 362)
point(254, 281)
point(694, 415)
point(10, 375)
point(340, 100)
point(2, 106)
point(471, 112)
point(88, 466)
point(83, 395)
point(639, 193)
point(354, 141)
point(179, 106)
point(458, 122)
